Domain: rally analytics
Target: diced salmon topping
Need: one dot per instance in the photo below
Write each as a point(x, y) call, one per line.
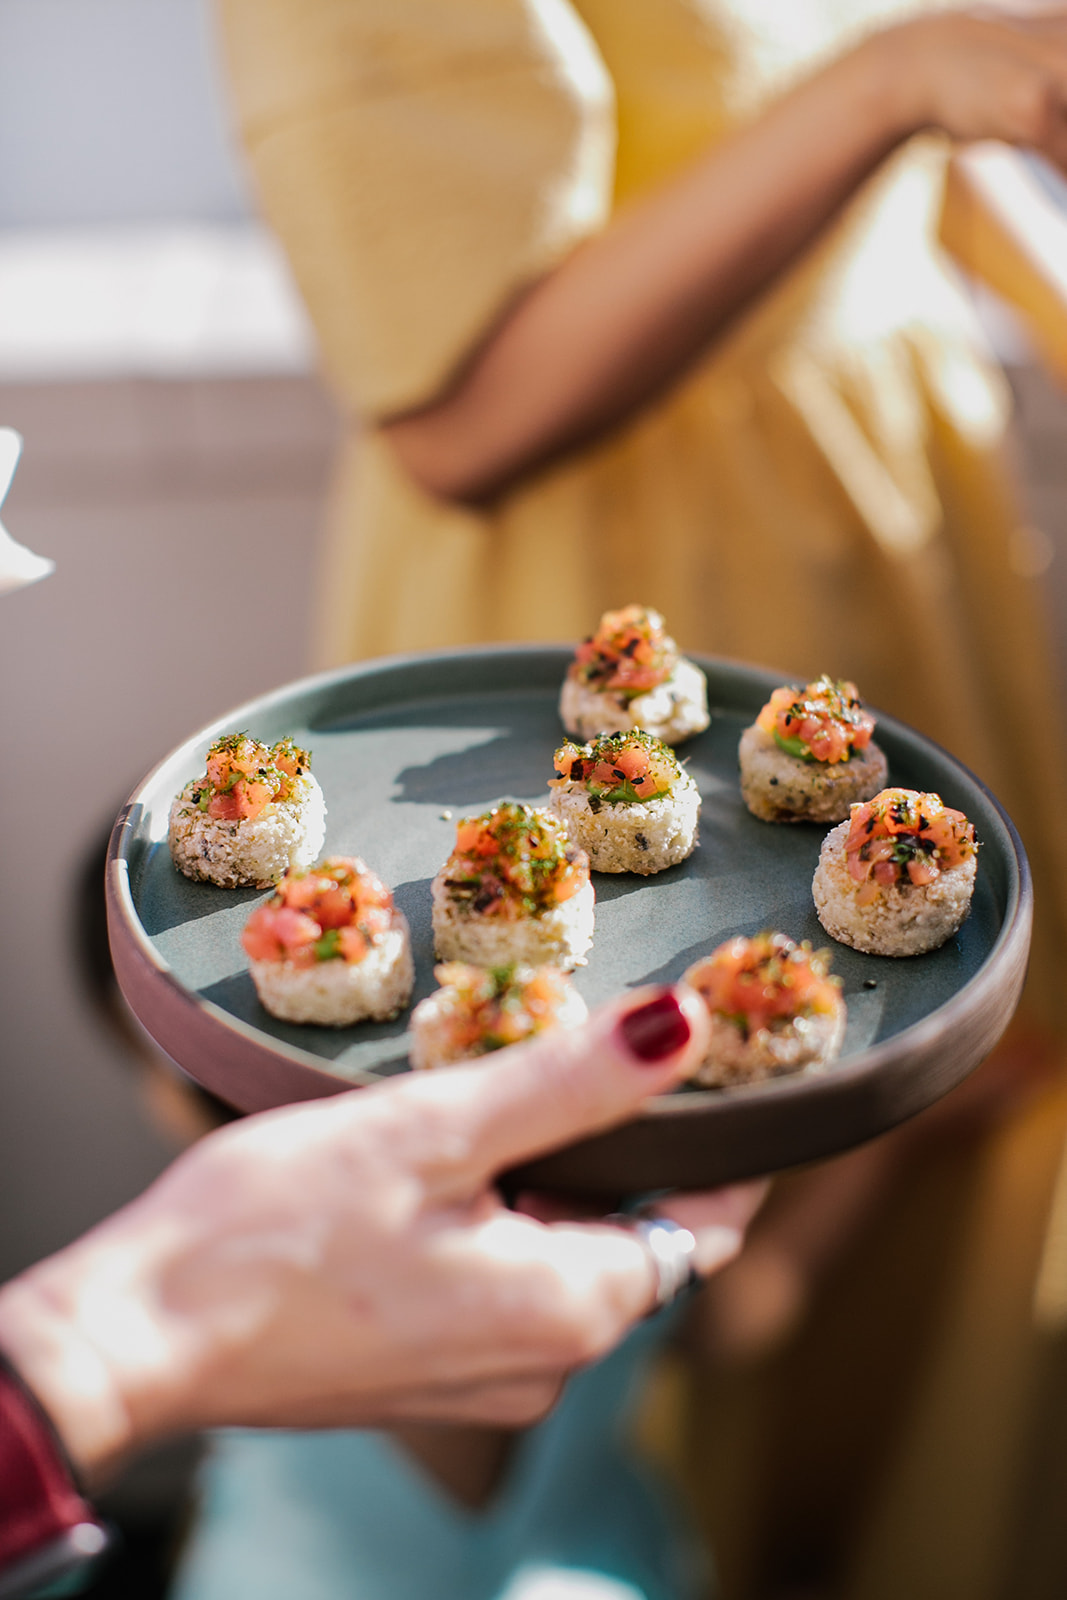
point(513, 861)
point(630, 652)
point(336, 911)
point(243, 803)
point(824, 721)
point(244, 776)
point(766, 981)
point(494, 1007)
point(620, 768)
point(289, 758)
point(902, 834)
point(278, 933)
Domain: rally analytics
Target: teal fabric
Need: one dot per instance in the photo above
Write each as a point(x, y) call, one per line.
point(320, 1516)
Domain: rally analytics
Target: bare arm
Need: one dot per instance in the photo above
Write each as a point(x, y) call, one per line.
point(630, 310)
point(350, 1262)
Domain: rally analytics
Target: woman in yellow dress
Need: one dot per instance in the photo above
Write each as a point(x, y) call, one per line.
point(642, 299)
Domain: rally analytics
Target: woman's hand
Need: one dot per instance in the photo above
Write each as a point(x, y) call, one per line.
point(981, 74)
point(350, 1261)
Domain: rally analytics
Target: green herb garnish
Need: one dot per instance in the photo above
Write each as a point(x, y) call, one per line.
point(329, 946)
point(794, 747)
point(626, 795)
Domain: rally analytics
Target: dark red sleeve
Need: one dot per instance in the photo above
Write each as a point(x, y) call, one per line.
point(39, 1501)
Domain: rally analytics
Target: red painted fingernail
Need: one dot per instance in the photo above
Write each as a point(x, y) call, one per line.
point(657, 1029)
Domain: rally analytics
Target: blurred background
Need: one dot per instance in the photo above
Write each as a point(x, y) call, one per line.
point(177, 443)
point(155, 360)
point(177, 451)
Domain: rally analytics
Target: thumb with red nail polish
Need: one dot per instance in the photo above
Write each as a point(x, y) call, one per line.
point(566, 1085)
point(657, 1028)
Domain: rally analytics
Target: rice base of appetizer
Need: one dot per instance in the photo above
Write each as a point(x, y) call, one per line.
point(626, 801)
point(673, 710)
point(249, 852)
point(335, 994)
point(559, 936)
point(804, 1044)
point(515, 889)
point(773, 1009)
point(779, 787)
point(478, 1011)
point(642, 838)
point(904, 919)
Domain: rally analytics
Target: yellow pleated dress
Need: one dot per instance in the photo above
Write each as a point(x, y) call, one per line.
point(825, 492)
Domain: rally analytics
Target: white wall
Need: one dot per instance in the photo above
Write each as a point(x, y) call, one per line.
point(183, 518)
point(111, 111)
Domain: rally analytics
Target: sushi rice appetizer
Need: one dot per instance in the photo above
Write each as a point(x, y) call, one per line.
point(481, 1009)
point(897, 878)
point(330, 947)
point(255, 812)
point(773, 1007)
point(626, 800)
point(515, 889)
point(809, 755)
point(629, 675)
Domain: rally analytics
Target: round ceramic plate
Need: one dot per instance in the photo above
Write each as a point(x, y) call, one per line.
point(403, 748)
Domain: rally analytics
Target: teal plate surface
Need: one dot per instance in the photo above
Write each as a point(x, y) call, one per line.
point(406, 746)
